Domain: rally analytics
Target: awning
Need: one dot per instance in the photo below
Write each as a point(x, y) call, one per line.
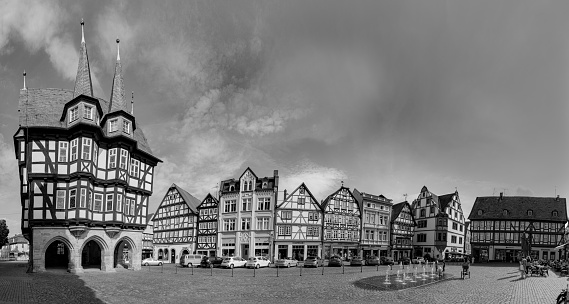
point(561, 246)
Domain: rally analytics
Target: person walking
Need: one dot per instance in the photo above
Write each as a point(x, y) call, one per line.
point(524, 267)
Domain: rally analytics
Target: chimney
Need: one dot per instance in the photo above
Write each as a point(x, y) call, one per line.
point(557, 199)
point(276, 175)
point(501, 195)
point(284, 194)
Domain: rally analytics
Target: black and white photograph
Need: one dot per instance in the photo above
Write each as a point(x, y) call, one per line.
point(284, 151)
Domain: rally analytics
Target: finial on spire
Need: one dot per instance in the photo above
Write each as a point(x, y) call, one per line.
point(342, 184)
point(132, 104)
point(82, 32)
point(118, 50)
point(25, 80)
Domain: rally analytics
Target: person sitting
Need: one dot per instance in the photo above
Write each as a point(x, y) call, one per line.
point(466, 265)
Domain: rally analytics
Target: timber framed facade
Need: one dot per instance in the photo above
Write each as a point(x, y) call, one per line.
point(207, 226)
point(84, 183)
point(342, 224)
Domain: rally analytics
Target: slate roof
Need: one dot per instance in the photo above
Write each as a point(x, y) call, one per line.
point(397, 208)
point(258, 182)
point(327, 200)
point(445, 200)
point(493, 208)
point(44, 107)
point(190, 200)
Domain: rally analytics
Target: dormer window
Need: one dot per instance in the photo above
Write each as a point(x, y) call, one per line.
point(126, 126)
point(505, 212)
point(231, 188)
point(113, 125)
point(479, 212)
point(530, 212)
point(88, 112)
point(73, 114)
point(264, 184)
point(554, 213)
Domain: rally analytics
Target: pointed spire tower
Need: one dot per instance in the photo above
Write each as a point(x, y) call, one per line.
point(83, 84)
point(118, 101)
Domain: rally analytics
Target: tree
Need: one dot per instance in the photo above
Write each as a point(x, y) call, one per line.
point(3, 233)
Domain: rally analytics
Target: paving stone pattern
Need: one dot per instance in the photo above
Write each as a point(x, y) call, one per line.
point(489, 283)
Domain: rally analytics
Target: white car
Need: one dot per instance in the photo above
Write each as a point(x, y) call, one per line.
point(258, 262)
point(151, 262)
point(231, 262)
point(286, 262)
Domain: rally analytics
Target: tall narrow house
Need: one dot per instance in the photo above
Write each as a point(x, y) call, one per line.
point(246, 209)
point(86, 174)
point(342, 224)
point(207, 226)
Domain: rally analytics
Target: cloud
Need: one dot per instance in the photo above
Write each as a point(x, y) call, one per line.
point(321, 181)
point(41, 26)
point(10, 207)
point(523, 191)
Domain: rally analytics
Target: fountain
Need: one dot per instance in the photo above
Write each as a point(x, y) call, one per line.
point(387, 281)
point(424, 275)
point(398, 276)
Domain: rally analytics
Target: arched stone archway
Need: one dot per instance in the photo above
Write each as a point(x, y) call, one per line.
point(166, 256)
point(91, 255)
point(160, 254)
point(124, 253)
point(57, 255)
point(185, 251)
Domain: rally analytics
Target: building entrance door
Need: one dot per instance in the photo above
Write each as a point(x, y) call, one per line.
point(245, 251)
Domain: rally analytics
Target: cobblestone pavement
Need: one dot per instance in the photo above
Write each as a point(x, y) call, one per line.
point(489, 283)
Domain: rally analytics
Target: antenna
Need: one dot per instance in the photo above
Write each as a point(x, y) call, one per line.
point(405, 195)
point(494, 192)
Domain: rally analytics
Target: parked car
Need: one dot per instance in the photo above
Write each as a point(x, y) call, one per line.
point(286, 262)
point(151, 262)
point(258, 262)
point(335, 261)
point(386, 260)
point(231, 262)
point(421, 260)
point(404, 261)
point(208, 262)
point(191, 260)
point(313, 261)
point(372, 261)
point(356, 261)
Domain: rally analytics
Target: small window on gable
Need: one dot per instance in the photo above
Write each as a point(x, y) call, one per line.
point(231, 188)
point(264, 184)
point(530, 212)
point(88, 113)
point(554, 213)
point(126, 126)
point(113, 125)
point(479, 212)
point(505, 212)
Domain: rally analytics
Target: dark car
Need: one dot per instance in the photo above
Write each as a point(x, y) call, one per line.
point(356, 261)
point(386, 260)
point(335, 261)
point(404, 261)
point(372, 261)
point(208, 262)
point(313, 261)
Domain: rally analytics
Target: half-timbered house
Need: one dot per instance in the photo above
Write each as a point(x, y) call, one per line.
point(207, 226)
point(246, 210)
point(147, 236)
point(175, 225)
point(298, 225)
point(342, 224)
point(86, 174)
point(402, 230)
point(440, 224)
point(376, 223)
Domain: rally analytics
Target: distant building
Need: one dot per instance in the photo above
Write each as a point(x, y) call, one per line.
point(86, 173)
point(467, 239)
point(440, 225)
point(298, 225)
point(342, 224)
point(175, 225)
point(402, 230)
point(246, 210)
point(504, 228)
point(208, 212)
point(147, 235)
point(376, 223)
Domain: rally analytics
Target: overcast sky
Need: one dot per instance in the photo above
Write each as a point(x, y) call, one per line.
point(386, 96)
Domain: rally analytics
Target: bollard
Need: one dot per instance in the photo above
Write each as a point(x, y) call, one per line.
point(342, 267)
point(231, 271)
point(162, 270)
point(391, 265)
point(192, 269)
point(254, 269)
point(377, 267)
point(277, 271)
point(362, 267)
point(322, 268)
point(300, 270)
point(176, 266)
point(211, 269)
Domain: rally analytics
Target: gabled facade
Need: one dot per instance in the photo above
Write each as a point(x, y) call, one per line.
point(175, 225)
point(504, 228)
point(147, 236)
point(342, 224)
point(298, 225)
point(207, 226)
point(440, 224)
point(376, 223)
point(246, 210)
point(84, 193)
point(402, 230)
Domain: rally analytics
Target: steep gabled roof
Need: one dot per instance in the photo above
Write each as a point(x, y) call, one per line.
point(327, 200)
point(517, 206)
point(295, 190)
point(83, 84)
point(397, 208)
point(215, 201)
point(445, 200)
point(190, 200)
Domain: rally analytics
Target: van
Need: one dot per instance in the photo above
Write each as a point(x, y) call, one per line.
point(189, 260)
